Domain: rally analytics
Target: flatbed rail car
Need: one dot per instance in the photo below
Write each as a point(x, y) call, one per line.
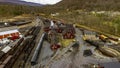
point(37, 50)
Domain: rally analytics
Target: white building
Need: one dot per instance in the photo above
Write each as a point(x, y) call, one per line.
point(9, 32)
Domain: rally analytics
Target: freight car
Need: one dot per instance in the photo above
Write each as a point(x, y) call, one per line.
point(37, 50)
point(95, 43)
point(4, 53)
point(36, 31)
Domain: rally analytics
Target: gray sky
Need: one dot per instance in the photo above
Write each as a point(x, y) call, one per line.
point(43, 1)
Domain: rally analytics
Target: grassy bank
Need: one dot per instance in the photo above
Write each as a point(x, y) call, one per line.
point(104, 21)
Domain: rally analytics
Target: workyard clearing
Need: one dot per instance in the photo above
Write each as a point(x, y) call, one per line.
point(53, 44)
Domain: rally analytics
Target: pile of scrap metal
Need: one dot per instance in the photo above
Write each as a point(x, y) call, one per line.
point(104, 49)
point(89, 35)
point(92, 66)
point(60, 27)
point(46, 25)
point(53, 39)
point(68, 32)
point(51, 24)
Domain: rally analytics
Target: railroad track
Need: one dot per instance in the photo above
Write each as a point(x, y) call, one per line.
point(21, 49)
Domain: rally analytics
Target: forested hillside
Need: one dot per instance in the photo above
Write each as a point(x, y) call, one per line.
point(75, 11)
point(88, 5)
point(8, 9)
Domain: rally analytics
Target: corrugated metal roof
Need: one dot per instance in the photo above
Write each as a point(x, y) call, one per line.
point(8, 28)
point(8, 32)
point(6, 49)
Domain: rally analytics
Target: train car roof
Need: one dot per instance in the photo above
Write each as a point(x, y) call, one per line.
point(6, 49)
point(8, 32)
point(8, 28)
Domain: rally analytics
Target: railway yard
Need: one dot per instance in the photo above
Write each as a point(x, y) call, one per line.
point(53, 44)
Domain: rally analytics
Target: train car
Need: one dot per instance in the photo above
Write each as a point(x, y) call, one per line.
point(6, 51)
point(37, 50)
point(36, 31)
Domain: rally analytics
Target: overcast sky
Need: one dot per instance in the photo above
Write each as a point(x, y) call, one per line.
point(43, 1)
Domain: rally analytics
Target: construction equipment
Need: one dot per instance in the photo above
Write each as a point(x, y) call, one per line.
point(103, 38)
